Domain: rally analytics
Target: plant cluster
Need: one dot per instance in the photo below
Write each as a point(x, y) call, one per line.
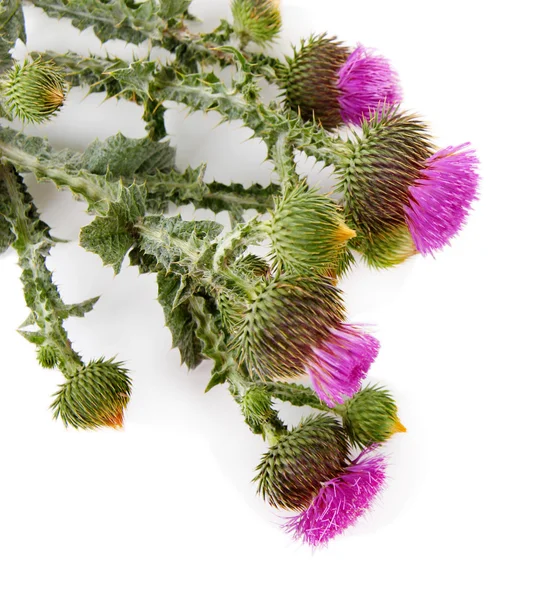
point(262, 319)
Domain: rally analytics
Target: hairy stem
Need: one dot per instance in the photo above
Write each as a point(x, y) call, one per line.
point(42, 297)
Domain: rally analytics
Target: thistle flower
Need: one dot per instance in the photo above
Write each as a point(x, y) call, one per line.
point(327, 81)
point(33, 91)
point(256, 20)
point(307, 232)
point(341, 362)
point(370, 417)
point(295, 324)
point(290, 474)
point(95, 396)
point(400, 197)
point(340, 501)
point(441, 197)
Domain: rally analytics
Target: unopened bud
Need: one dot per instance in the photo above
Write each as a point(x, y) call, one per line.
point(33, 91)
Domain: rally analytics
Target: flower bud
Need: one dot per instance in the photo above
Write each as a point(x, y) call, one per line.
point(95, 396)
point(291, 472)
point(370, 417)
point(307, 232)
point(33, 91)
point(400, 197)
point(340, 501)
point(258, 21)
point(257, 407)
point(47, 357)
point(328, 82)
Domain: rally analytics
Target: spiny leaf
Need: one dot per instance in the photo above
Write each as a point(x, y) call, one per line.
point(11, 29)
point(179, 320)
point(114, 19)
point(176, 244)
point(120, 156)
point(297, 395)
point(111, 236)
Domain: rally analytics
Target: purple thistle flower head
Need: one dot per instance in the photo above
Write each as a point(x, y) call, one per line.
point(441, 197)
point(330, 83)
point(340, 502)
point(368, 85)
point(341, 362)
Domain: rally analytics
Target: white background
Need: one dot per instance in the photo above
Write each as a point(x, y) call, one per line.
point(165, 509)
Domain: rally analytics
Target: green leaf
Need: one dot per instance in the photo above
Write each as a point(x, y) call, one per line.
point(135, 78)
point(81, 308)
point(297, 395)
point(120, 156)
point(177, 245)
point(113, 19)
point(34, 337)
point(111, 236)
point(173, 9)
point(11, 29)
point(179, 320)
point(212, 340)
point(6, 235)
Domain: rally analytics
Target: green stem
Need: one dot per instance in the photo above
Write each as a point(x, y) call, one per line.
point(89, 186)
point(32, 245)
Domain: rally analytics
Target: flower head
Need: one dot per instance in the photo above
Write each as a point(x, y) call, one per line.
point(294, 325)
point(441, 197)
point(307, 232)
point(341, 362)
point(367, 84)
point(340, 501)
point(290, 473)
point(327, 81)
point(399, 196)
point(33, 91)
point(256, 20)
point(95, 396)
point(290, 316)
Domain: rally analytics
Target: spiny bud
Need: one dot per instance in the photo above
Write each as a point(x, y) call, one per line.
point(328, 82)
point(33, 91)
point(376, 172)
point(399, 196)
point(252, 266)
point(258, 21)
point(370, 417)
point(290, 474)
point(257, 405)
point(95, 396)
point(47, 357)
point(307, 232)
point(290, 317)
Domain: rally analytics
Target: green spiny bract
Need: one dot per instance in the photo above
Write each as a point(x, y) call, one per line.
point(310, 82)
point(370, 417)
point(258, 21)
point(375, 173)
point(284, 322)
point(33, 91)
point(307, 232)
point(291, 473)
point(94, 396)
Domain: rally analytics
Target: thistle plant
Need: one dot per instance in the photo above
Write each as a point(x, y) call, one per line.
point(262, 319)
